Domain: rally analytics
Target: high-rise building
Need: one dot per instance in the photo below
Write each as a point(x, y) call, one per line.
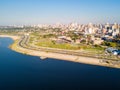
point(107, 26)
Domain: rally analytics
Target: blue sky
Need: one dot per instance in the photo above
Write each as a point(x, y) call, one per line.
point(54, 11)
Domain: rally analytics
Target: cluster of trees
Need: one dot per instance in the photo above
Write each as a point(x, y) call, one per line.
point(111, 44)
point(48, 35)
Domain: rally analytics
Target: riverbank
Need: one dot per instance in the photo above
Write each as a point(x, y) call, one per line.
point(72, 58)
point(10, 36)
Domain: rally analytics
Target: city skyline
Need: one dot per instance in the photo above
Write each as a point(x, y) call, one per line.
point(64, 11)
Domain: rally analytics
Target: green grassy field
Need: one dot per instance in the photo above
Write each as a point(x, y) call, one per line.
point(46, 42)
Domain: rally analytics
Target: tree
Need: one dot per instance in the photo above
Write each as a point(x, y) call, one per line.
point(88, 39)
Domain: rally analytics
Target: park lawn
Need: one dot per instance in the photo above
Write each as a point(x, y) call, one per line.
point(50, 44)
point(46, 42)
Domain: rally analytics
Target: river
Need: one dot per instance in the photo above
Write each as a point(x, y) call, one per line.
point(24, 72)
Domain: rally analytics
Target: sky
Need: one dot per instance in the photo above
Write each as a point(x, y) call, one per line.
point(19, 12)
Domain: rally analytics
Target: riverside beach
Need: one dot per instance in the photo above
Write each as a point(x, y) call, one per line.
point(71, 58)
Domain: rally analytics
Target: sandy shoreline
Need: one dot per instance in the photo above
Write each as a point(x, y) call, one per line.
point(72, 58)
point(10, 36)
point(79, 59)
point(64, 57)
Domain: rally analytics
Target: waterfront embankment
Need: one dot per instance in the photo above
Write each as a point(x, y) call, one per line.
point(79, 59)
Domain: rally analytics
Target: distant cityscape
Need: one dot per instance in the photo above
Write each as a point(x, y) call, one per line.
point(103, 31)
